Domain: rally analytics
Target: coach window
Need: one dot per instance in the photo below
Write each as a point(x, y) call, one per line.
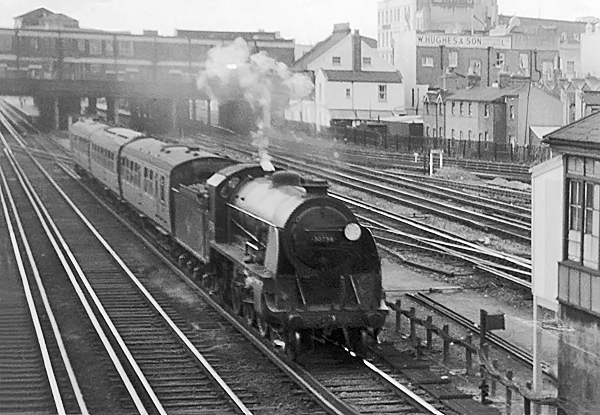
point(146, 179)
point(162, 189)
point(151, 182)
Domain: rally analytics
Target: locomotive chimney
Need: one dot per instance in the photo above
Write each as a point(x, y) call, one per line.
point(356, 51)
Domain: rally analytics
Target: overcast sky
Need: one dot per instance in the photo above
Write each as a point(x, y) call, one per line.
point(307, 21)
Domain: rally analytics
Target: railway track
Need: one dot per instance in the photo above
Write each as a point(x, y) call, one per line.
point(34, 367)
point(134, 325)
point(122, 302)
point(518, 229)
point(513, 350)
point(507, 267)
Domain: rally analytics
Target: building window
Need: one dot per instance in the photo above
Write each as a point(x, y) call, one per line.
point(524, 61)
point(486, 136)
point(475, 67)
point(336, 60)
point(427, 61)
point(366, 61)
point(470, 109)
point(95, 47)
point(426, 107)
point(511, 140)
point(584, 211)
point(500, 57)
point(348, 93)
point(470, 135)
point(486, 111)
point(5, 43)
point(548, 69)
point(462, 108)
point(441, 132)
point(570, 67)
point(125, 48)
point(453, 108)
point(109, 49)
point(512, 112)
point(452, 135)
point(382, 92)
point(460, 135)
point(453, 59)
point(427, 131)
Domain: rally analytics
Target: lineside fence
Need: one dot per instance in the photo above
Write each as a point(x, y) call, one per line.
point(453, 148)
point(492, 377)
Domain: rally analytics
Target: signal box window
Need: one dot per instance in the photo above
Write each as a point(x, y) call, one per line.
point(336, 60)
point(348, 93)
point(366, 61)
point(583, 232)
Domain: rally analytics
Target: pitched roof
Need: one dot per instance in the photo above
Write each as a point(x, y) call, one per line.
point(363, 76)
point(319, 49)
point(485, 94)
point(533, 25)
point(591, 97)
point(584, 132)
point(322, 47)
point(41, 11)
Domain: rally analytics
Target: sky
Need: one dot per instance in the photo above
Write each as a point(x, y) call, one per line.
point(307, 21)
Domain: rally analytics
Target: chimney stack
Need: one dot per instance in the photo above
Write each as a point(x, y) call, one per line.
point(356, 52)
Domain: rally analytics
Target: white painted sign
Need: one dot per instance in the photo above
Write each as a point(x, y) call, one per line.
point(457, 41)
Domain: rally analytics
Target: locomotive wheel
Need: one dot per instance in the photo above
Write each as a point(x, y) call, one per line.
point(206, 281)
point(359, 341)
point(250, 314)
point(263, 327)
point(236, 299)
point(293, 346)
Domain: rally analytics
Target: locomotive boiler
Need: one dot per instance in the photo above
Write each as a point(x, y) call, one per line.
point(273, 245)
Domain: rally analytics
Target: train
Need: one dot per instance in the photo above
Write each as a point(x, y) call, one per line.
point(272, 245)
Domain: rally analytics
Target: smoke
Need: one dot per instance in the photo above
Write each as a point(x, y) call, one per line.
point(232, 73)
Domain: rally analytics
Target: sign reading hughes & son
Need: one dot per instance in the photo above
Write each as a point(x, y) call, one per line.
point(457, 41)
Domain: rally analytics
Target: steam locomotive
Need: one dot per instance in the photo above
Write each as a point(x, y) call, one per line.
point(274, 246)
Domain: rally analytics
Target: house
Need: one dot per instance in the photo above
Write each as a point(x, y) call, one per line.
point(45, 19)
point(501, 114)
point(352, 82)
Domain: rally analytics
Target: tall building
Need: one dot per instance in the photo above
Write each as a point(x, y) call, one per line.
point(396, 16)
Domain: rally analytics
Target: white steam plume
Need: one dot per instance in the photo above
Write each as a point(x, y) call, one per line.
point(233, 74)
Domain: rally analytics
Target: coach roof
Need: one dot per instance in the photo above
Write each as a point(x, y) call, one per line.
point(164, 155)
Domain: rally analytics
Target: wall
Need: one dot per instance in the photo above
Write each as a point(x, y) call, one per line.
point(364, 96)
point(498, 113)
point(590, 53)
point(405, 62)
point(547, 230)
point(512, 125)
point(579, 362)
point(462, 123)
point(544, 109)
